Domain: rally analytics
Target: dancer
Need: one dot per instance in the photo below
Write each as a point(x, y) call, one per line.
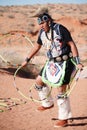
point(63, 58)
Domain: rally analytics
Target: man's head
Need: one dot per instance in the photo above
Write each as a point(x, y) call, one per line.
point(42, 15)
point(43, 18)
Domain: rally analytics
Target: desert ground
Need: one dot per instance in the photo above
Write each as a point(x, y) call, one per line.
point(18, 33)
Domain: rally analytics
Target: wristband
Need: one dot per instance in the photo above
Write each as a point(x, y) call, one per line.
point(77, 60)
point(27, 59)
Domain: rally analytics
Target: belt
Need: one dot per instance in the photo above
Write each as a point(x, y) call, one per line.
point(62, 58)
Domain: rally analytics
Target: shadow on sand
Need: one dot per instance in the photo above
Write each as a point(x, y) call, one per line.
point(72, 122)
point(78, 118)
point(21, 73)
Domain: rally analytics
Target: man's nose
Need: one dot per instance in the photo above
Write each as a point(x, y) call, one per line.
point(41, 25)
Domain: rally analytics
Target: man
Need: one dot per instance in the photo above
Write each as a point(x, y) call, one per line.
point(62, 56)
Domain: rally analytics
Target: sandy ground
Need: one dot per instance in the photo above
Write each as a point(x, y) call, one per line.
point(26, 117)
point(14, 48)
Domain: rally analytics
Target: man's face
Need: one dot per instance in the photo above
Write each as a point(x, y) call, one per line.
point(43, 22)
point(45, 26)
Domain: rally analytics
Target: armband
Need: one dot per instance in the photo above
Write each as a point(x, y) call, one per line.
point(27, 59)
point(77, 60)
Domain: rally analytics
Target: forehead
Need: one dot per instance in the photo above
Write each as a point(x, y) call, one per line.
point(44, 23)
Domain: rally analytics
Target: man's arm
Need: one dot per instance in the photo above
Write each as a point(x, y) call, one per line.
point(73, 48)
point(35, 49)
point(75, 54)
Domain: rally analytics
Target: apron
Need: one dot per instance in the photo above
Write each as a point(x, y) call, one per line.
point(53, 73)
